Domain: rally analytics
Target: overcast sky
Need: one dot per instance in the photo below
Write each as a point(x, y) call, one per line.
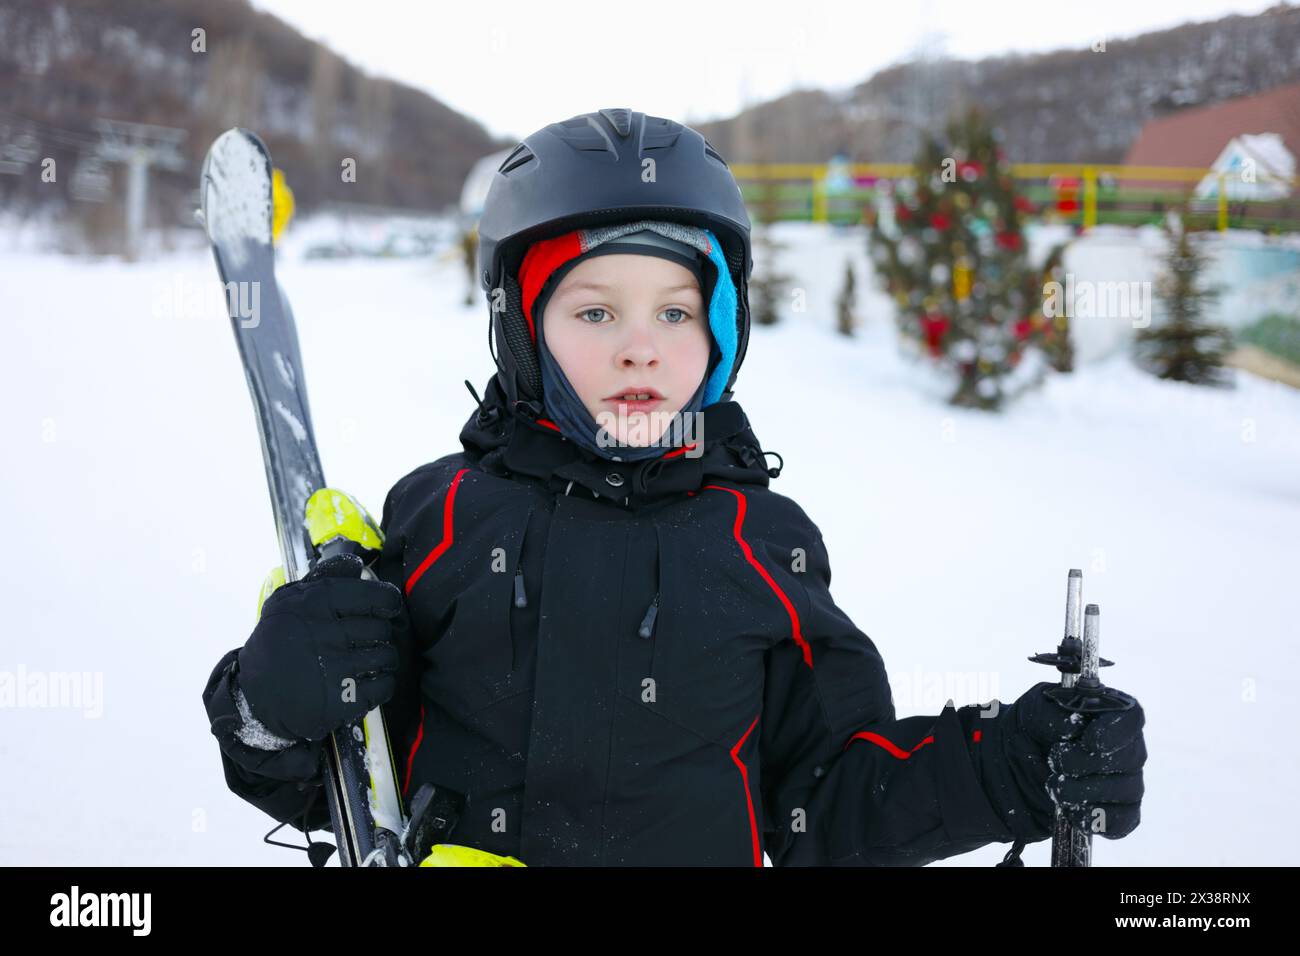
point(516, 66)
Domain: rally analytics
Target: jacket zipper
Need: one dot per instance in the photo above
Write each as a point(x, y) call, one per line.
point(521, 597)
point(647, 627)
point(648, 622)
point(520, 594)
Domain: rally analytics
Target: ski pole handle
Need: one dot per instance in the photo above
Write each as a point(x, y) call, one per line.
point(1071, 846)
point(1078, 659)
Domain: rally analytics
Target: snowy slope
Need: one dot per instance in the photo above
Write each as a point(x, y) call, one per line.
point(140, 532)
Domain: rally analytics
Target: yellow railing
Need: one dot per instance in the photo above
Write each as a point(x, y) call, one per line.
point(1106, 191)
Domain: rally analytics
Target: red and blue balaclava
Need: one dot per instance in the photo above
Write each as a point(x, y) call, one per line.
point(547, 262)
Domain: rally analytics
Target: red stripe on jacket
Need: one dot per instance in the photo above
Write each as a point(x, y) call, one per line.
point(893, 748)
point(887, 744)
point(795, 630)
point(410, 760)
point(749, 800)
point(434, 555)
point(445, 543)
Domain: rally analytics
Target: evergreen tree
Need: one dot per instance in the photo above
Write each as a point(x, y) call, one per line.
point(768, 287)
point(1183, 346)
point(846, 320)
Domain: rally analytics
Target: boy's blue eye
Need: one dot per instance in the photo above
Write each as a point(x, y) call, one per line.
point(682, 315)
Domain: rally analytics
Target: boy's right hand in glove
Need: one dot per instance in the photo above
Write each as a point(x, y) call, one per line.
point(325, 651)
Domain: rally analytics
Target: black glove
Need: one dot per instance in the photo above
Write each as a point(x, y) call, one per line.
point(1081, 762)
point(312, 636)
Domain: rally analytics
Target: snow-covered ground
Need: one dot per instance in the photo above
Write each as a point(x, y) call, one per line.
point(140, 532)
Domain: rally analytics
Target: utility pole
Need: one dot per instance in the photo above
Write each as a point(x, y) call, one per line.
point(140, 146)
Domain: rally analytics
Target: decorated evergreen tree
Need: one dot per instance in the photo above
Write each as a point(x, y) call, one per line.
point(1183, 346)
point(950, 248)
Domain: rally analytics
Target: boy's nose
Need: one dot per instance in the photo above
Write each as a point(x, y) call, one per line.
point(638, 348)
point(638, 355)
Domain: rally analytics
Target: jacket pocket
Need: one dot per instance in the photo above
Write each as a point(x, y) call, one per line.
point(472, 663)
point(709, 636)
point(521, 607)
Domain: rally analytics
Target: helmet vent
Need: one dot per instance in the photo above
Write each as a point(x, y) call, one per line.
point(521, 155)
point(621, 120)
point(711, 152)
point(659, 133)
point(583, 134)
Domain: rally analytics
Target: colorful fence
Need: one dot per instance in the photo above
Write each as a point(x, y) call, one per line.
point(1084, 195)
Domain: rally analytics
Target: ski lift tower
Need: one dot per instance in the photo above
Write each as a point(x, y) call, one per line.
point(140, 146)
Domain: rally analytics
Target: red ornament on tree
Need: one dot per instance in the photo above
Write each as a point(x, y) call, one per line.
point(940, 221)
point(1009, 240)
point(934, 327)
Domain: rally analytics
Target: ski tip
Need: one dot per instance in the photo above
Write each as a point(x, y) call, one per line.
point(241, 133)
point(235, 190)
point(1092, 609)
point(1076, 573)
point(252, 137)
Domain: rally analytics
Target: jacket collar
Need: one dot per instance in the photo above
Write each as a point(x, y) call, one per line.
point(521, 443)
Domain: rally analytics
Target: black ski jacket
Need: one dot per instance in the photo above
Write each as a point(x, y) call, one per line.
point(642, 664)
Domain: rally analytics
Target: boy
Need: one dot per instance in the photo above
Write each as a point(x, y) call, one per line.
point(597, 622)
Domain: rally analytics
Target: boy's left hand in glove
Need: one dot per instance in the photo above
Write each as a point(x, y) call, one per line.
point(1088, 764)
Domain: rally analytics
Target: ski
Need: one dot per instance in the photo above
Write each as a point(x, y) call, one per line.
point(237, 202)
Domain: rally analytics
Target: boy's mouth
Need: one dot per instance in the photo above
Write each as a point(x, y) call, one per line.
point(636, 399)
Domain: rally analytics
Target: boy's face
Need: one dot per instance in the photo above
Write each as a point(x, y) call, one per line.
point(619, 324)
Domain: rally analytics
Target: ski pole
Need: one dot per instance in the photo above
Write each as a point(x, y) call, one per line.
point(1081, 692)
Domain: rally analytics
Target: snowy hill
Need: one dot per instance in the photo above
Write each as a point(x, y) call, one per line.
point(140, 533)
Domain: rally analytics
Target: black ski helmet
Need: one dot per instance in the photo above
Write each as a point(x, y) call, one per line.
point(595, 169)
